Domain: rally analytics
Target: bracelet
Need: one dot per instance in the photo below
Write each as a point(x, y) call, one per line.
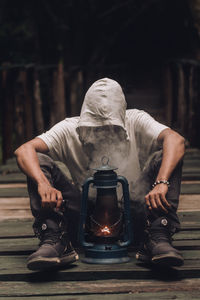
point(159, 182)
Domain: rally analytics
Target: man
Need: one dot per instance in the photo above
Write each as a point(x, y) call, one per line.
point(146, 152)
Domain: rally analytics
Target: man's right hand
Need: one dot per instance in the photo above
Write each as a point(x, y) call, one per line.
point(50, 197)
point(28, 162)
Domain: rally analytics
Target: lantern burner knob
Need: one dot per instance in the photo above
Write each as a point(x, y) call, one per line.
point(104, 165)
point(105, 161)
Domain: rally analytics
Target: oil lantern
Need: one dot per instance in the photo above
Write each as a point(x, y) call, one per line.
point(105, 230)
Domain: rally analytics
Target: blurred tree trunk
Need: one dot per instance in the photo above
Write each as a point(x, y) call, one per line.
point(39, 122)
point(7, 116)
point(181, 114)
point(195, 10)
point(28, 109)
point(23, 110)
point(76, 93)
point(168, 94)
point(191, 108)
point(58, 105)
point(19, 112)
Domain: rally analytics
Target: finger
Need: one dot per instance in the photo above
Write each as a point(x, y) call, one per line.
point(44, 202)
point(160, 205)
point(153, 202)
point(48, 197)
point(164, 200)
point(59, 199)
point(148, 204)
point(53, 199)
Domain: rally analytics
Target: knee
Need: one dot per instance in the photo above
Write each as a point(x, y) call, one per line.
point(154, 161)
point(45, 160)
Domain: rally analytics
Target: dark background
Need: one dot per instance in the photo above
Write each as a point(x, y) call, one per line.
point(52, 51)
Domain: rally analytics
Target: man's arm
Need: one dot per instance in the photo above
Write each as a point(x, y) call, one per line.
point(28, 162)
point(173, 151)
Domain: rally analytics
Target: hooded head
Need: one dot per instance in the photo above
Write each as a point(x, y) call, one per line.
point(104, 105)
point(102, 118)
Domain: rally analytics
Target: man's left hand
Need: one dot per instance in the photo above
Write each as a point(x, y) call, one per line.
point(156, 200)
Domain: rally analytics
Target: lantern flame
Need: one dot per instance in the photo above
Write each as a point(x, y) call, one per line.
point(105, 230)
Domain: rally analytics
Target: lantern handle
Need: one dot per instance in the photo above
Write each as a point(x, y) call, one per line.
point(127, 214)
point(83, 213)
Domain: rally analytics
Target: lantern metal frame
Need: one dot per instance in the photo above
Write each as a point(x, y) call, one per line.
point(106, 253)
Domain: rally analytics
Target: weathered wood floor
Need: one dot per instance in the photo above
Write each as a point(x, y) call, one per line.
point(82, 281)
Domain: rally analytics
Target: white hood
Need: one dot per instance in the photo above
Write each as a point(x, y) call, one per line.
point(104, 104)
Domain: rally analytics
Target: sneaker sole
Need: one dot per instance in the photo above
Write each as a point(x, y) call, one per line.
point(142, 257)
point(44, 263)
point(169, 260)
point(69, 258)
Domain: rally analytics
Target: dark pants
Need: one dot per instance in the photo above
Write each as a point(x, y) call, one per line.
point(72, 198)
point(141, 214)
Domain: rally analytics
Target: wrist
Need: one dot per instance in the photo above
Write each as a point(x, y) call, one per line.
point(161, 181)
point(42, 180)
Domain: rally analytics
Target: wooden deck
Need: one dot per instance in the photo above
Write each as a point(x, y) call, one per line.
point(81, 281)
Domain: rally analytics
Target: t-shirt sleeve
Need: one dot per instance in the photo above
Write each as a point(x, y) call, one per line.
point(147, 127)
point(56, 140)
point(147, 130)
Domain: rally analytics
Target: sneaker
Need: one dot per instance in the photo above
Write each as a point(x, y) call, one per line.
point(158, 248)
point(55, 250)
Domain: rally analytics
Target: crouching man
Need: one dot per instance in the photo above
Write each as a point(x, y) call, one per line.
point(146, 152)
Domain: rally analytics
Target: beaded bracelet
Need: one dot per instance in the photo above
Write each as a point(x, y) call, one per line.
point(160, 181)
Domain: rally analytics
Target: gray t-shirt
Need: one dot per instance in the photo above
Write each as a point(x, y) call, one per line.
point(142, 133)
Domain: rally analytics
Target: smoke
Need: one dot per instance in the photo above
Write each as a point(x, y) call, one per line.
point(109, 141)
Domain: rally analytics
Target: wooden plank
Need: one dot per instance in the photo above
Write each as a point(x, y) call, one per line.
point(187, 244)
point(191, 176)
point(22, 227)
point(25, 240)
point(15, 214)
point(191, 254)
point(121, 296)
point(15, 263)
point(191, 216)
point(102, 287)
point(191, 171)
point(13, 192)
point(18, 246)
point(30, 243)
point(20, 190)
point(9, 168)
point(187, 235)
point(190, 226)
point(14, 203)
point(13, 208)
point(191, 163)
point(189, 203)
point(190, 189)
point(16, 228)
point(11, 160)
point(13, 266)
point(14, 185)
point(13, 178)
